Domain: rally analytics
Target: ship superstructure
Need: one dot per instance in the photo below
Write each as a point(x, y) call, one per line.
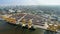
point(30, 20)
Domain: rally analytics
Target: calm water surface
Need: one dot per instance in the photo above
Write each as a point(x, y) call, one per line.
point(6, 28)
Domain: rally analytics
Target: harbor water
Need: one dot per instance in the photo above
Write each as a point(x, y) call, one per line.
point(6, 28)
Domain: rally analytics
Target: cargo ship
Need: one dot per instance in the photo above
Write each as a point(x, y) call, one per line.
point(30, 21)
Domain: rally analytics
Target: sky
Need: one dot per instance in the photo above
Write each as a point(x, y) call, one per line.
point(29, 2)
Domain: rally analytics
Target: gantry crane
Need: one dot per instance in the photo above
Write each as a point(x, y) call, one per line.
point(30, 23)
point(52, 27)
point(23, 22)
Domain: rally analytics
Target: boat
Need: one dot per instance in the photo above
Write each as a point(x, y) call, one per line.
point(19, 20)
point(29, 21)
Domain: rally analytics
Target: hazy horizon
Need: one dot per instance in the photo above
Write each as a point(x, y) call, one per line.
point(29, 2)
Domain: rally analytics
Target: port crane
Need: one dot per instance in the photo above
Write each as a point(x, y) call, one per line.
point(52, 27)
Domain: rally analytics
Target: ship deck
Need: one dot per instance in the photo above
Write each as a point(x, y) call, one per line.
point(38, 21)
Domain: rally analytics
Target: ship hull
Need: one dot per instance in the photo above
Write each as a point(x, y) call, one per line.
point(23, 27)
